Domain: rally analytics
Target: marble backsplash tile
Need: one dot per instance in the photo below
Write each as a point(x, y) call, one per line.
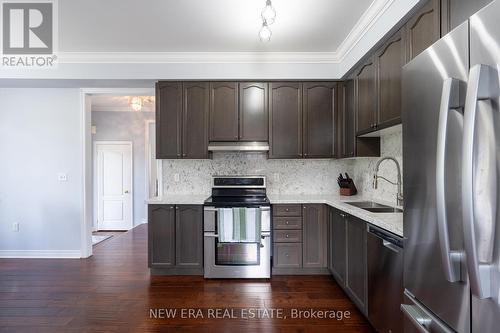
point(295, 176)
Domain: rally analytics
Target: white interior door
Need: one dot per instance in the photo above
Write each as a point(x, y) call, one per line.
point(114, 185)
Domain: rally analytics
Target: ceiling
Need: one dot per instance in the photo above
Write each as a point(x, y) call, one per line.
point(119, 103)
point(204, 26)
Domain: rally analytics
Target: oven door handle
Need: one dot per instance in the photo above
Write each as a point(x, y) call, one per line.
point(211, 234)
point(265, 234)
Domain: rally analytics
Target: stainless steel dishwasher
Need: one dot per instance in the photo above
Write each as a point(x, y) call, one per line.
point(385, 280)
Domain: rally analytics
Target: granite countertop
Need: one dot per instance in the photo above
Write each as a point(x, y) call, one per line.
point(392, 222)
point(182, 199)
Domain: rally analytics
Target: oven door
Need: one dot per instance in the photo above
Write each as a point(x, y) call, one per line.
point(236, 260)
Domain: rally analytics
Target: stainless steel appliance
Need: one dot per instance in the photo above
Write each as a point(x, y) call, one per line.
point(451, 152)
point(385, 282)
point(237, 259)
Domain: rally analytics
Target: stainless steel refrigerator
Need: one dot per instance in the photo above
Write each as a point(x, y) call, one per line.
point(451, 156)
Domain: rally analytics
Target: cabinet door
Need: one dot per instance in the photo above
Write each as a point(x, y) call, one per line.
point(195, 120)
point(168, 119)
point(285, 120)
point(423, 29)
point(254, 115)
point(224, 111)
point(189, 236)
point(338, 245)
point(455, 12)
point(287, 255)
point(318, 109)
point(390, 60)
point(366, 101)
point(349, 120)
point(314, 227)
point(161, 234)
point(356, 261)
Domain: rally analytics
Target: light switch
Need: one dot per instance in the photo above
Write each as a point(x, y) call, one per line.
point(93, 130)
point(177, 178)
point(15, 227)
point(62, 177)
point(276, 177)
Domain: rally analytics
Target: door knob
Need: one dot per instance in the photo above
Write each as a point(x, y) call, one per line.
point(127, 191)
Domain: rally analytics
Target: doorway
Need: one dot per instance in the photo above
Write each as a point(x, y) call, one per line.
point(113, 185)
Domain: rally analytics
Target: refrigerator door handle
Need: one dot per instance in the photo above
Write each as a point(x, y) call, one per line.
point(450, 99)
point(482, 85)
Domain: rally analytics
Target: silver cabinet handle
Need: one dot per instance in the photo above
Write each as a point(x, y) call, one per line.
point(211, 235)
point(419, 321)
point(391, 246)
point(482, 85)
point(452, 260)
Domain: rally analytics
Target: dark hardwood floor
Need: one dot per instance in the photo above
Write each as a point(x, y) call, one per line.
point(113, 292)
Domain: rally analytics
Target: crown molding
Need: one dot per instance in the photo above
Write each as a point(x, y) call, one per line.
point(194, 57)
point(367, 20)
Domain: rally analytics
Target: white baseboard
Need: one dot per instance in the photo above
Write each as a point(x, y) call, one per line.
point(73, 254)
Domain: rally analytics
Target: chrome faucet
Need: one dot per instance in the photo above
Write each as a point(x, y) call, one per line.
point(399, 197)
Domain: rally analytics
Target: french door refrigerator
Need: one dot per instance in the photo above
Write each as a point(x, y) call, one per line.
point(451, 155)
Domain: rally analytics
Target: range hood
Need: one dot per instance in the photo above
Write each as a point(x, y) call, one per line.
point(261, 146)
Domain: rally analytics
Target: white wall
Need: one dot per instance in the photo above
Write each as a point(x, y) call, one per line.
point(40, 136)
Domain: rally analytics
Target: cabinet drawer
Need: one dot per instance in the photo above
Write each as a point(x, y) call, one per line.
point(287, 222)
point(287, 210)
point(285, 236)
point(287, 255)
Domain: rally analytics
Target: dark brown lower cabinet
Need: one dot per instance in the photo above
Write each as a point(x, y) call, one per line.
point(337, 245)
point(356, 273)
point(300, 239)
point(314, 227)
point(175, 239)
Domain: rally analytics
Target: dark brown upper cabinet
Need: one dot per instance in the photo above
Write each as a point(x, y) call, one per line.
point(423, 29)
point(168, 120)
point(390, 59)
point(195, 120)
point(318, 119)
point(366, 98)
point(182, 120)
point(253, 111)
point(455, 12)
point(285, 120)
point(224, 111)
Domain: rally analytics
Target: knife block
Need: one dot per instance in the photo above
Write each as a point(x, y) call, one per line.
point(348, 191)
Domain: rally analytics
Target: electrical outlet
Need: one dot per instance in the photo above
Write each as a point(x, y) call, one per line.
point(177, 177)
point(15, 226)
point(276, 177)
point(62, 177)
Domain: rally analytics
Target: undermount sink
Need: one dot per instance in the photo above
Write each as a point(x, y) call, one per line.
point(374, 207)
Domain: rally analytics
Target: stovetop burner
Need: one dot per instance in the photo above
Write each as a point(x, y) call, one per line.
point(238, 191)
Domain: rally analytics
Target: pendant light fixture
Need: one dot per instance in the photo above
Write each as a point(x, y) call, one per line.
point(268, 15)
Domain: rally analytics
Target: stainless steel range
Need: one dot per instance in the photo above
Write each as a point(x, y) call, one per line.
point(237, 228)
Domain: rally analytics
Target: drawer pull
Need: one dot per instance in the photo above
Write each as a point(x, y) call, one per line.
point(286, 255)
point(287, 236)
point(287, 223)
point(287, 209)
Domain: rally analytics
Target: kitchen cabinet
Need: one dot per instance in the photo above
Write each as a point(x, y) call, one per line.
point(423, 28)
point(356, 274)
point(300, 239)
point(189, 236)
point(366, 98)
point(285, 120)
point(195, 120)
point(168, 120)
point(455, 12)
point(314, 234)
point(338, 241)
point(175, 243)
point(253, 111)
point(181, 120)
point(389, 59)
point(318, 119)
point(161, 234)
point(224, 111)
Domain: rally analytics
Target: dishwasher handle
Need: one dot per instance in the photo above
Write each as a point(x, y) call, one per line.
point(391, 242)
